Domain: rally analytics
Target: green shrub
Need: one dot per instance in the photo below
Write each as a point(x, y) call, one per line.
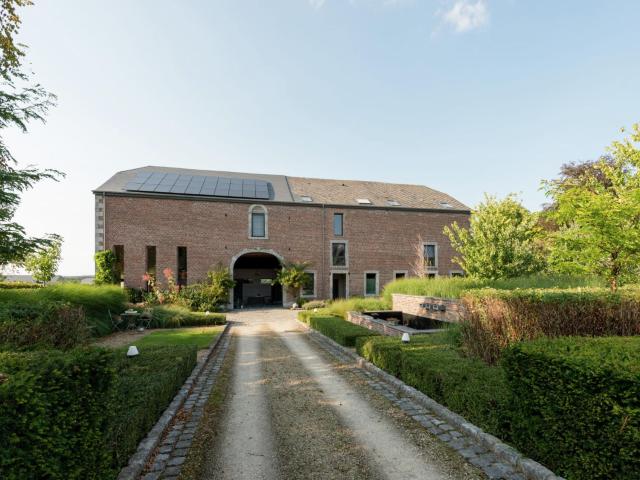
point(54, 410)
point(11, 285)
point(146, 385)
point(432, 365)
point(495, 319)
point(105, 268)
point(96, 301)
point(343, 332)
point(312, 304)
point(456, 287)
point(175, 316)
point(340, 308)
point(575, 404)
point(42, 325)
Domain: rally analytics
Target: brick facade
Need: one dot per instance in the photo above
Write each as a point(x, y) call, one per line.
point(217, 231)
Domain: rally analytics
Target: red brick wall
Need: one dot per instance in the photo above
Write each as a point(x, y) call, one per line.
point(214, 231)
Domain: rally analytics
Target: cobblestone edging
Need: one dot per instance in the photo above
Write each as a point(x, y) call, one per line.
point(496, 459)
point(176, 432)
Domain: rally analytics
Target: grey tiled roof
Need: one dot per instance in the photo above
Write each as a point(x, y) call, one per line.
point(315, 190)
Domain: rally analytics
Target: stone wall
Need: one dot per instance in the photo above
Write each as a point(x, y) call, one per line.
point(374, 324)
point(444, 309)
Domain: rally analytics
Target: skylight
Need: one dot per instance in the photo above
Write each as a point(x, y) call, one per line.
point(446, 205)
point(306, 198)
point(363, 201)
point(393, 203)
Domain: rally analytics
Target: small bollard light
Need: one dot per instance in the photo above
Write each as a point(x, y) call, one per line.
point(206, 313)
point(315, 310)
point(133, 351)
point(405, 338)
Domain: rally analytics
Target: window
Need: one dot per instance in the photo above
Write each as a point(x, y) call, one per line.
point(339, 254)
point(338, 219)
point(431, 256)
point(119, 266)
point(306, 198)
point(309, 285)
point(400, 274)
point(182, 266)
point(363, 201)
point(431, 275)
point(151, 263)
point(370, 283)
point(456, 273)
point(257, 222)
point(393, 203)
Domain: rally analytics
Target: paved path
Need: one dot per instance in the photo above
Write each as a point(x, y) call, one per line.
point(295, 413)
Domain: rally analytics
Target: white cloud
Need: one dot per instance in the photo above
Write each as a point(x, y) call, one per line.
point(466, 15)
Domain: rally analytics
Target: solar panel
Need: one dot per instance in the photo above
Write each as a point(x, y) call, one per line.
point(204, 185)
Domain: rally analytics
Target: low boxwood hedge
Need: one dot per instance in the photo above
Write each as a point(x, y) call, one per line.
point(343, 332)
point(576, 404)
point(431, 364)
point(80, 414)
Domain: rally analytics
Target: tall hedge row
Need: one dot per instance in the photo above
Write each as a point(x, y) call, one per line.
point(495, 319)
point(575, 405)
point(343, 332)
point(54, 410)
point(80, 414)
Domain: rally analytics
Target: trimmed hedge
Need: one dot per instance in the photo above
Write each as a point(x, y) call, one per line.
point(96, 301)
point(12, 285)
point(576, 404)
point(81, 414)
point(54, 410)
point(146, 385)
point(42, 325)
point(495, 319)
point(175, 316)
point(343, 332)
point(432, 365)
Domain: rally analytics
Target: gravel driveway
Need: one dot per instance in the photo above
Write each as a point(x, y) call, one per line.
point(293, 413)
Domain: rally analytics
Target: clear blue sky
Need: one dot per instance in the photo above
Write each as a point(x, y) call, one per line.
point(463, 96)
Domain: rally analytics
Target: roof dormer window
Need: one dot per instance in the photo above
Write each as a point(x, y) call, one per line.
point(363, 201)
point(306, 198)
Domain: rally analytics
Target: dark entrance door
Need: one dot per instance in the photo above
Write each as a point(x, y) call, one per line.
point(339, 282)
point(254, 274)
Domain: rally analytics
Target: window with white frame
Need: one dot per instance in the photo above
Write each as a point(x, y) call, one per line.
point(309, 285)
point(399, 274)
point(456, 273)
point(339, 254)
point(338, 224)
point(370, 283)
point(431, 256)
point(258, 222)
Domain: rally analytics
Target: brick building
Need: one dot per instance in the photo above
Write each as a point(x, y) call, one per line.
point(357, 235)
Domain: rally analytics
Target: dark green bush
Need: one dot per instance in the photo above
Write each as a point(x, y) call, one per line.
point(81, 414)
point(175, 316)
point(146, 385)
point(96, 301)
point(42, 325)
point(54, 410)
point(495, 319)
point(341, 331)
point(432, 365)
point(575, 404)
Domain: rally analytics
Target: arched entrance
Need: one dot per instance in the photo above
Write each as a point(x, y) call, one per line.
point(254, 272)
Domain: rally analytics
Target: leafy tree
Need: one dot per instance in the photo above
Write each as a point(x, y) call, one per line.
point(43, 264)
point(292, 276)
point(21, 102)
point(105, 268)
point(597, 214)
point(503, 240)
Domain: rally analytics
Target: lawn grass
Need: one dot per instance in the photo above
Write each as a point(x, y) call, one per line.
point(199, 336)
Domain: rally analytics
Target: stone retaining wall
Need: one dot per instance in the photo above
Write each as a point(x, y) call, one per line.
point(374, 324)
point(444, 309)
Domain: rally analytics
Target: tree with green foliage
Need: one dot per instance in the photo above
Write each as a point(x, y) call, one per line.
point(43, 264)
point(105, 268)
point(293, 276)
point(21, 102)
point(597, 215)
point(503, 240)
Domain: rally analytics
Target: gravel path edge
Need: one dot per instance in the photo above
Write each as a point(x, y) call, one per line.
point(531, 469)
point(148, 444)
